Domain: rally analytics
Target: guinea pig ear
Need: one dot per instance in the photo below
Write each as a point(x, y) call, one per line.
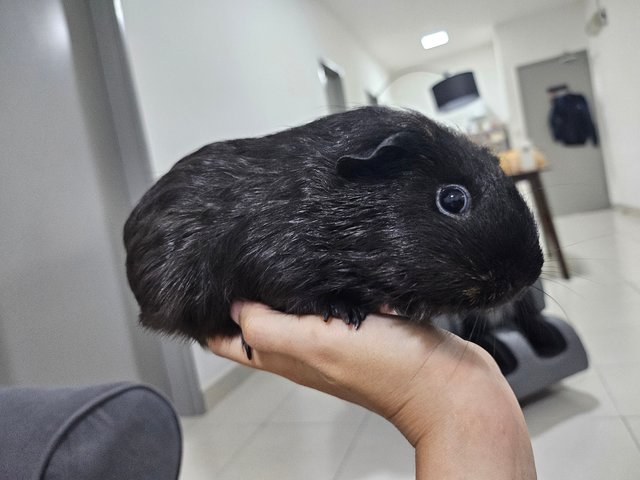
point(387, 159)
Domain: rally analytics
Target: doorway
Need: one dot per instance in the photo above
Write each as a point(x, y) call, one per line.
point(575, 180)
point(332, 80)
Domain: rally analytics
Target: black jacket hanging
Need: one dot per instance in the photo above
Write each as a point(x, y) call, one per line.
point(570, 120)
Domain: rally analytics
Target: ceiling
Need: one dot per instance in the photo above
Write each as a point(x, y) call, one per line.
point(391, 29)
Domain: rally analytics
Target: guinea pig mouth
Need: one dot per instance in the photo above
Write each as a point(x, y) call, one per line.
point(471, 299)
point(480, 293)
point(492, 294)
point(503, 282)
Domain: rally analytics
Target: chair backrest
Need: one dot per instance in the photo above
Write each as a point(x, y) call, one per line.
point(112, 431)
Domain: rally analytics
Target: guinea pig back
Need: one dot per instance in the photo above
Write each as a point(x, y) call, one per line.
point(338, 217)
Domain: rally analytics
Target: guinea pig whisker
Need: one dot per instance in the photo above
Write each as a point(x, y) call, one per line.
point(548, 186)
point(563, 284)
point(552, 274)
point(550, 268)
point(586, 279)
point(606, 259)
point(557, 273)
point(564, 312)
point(597, 237)
point(473, 327)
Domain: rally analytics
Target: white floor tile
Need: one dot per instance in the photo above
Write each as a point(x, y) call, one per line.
point(580, 296)
point(587, 448)
point(623, 384)
point(613, 345)
point(252, 402)
point(598, 317)
point(633, 423)
point(379, 452)
point(578, 228)
point(308, 405)
point(582, 394)
point(609, 247)
point(292, 451)
point(207, 448)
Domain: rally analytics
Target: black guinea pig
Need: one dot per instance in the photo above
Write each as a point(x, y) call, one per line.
point(371, 207)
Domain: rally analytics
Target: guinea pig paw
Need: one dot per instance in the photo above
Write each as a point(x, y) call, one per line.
point(349, 315)
point(248, 351)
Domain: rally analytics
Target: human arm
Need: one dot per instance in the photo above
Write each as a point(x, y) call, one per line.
point(445, 395)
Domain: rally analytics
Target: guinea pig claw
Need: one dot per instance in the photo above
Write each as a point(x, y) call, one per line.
point(248, 351)
point(355, 317)
point(349, 315)
point(359, 318)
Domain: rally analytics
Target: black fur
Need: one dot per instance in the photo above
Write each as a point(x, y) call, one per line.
point(337, 217)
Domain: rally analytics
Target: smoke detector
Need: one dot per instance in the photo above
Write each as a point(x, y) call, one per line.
point(597, 21)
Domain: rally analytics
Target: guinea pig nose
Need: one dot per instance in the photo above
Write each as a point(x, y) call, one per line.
point(453, 200)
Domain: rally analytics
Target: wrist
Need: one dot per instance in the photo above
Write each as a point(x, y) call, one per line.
point(459, 379)
point(467, 412)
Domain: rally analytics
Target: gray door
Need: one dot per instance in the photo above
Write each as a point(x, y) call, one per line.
point(575, 181)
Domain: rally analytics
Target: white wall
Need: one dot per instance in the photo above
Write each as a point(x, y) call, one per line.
point(615, 71)
point(413, 90)
point(207, 71)
point(530, 39)
point(64, 317)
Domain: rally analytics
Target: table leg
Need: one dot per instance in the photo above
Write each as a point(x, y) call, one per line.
point(548, 228)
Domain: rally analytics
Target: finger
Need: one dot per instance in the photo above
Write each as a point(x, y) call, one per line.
point(267, 330)
point(387, 310)
point(235, 309)
point(305, 337)
point(263, 329)
point(310, 340)
point(231, 348)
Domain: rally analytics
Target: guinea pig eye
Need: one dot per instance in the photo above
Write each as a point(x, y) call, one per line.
point(453, 200)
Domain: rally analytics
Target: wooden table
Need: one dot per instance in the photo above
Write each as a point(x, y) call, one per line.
point(542, 207)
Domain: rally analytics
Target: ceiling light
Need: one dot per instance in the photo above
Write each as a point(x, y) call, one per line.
point(435, 39)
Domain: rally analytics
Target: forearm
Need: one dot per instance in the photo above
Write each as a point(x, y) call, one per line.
point(476, 449)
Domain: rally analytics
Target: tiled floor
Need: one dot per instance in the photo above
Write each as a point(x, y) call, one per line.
point(587, 427)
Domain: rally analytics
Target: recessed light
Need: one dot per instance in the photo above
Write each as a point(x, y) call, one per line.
point(435, 39)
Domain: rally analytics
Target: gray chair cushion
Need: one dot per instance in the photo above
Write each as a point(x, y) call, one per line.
point(116, 431)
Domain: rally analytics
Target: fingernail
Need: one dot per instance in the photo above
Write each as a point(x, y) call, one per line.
point(235, 310)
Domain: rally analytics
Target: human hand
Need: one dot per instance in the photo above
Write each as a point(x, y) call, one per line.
point(446, 396)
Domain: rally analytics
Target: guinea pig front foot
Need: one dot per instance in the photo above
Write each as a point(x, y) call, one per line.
point(349, 315)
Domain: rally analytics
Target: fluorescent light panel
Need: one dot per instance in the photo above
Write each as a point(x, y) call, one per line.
point(435, 39)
